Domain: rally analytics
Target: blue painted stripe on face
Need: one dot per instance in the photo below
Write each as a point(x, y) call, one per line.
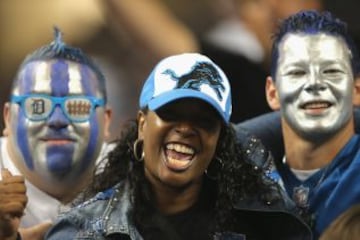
point(86, 80)
point(22, 140)
point(26, 82)
point(59, 78)
point(93, 141)
point(59, 158)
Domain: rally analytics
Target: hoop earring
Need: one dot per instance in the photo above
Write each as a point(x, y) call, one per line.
point(139, 156)
point(214, 168)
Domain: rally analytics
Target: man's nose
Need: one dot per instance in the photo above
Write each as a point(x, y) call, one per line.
point(315, 83)
point(185, 128)
point(58, 119)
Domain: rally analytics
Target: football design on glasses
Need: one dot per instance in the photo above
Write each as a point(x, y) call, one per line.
point(39, 107)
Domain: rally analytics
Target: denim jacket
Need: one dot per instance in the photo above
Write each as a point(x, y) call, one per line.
point(103, 216)
point(106, 217)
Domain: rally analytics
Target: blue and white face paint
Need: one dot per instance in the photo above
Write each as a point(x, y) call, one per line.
point(56, 150)
point(315, 84)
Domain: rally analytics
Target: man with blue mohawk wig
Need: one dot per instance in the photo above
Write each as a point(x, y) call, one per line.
point(56, 122)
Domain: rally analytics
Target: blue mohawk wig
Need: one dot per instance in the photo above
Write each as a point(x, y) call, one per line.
point(57, 49)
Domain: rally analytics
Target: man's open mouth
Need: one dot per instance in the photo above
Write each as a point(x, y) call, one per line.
point(316, 105)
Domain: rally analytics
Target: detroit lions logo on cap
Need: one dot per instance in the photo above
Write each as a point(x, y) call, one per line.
point(201, 73)
point(187, 75)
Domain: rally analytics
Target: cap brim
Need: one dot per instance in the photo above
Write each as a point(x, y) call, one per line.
point(177, 94)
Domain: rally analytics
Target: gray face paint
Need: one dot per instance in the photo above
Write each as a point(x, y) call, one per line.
point(315, 83)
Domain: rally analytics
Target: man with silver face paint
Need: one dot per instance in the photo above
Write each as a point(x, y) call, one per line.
point(56, 123)
point(314, 85)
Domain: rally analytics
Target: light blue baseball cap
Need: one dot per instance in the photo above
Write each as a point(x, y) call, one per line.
point(187, 75)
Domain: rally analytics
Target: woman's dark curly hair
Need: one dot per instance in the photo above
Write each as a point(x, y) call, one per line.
point(235, 176)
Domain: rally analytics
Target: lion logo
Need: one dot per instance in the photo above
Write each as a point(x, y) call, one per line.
point(201, 73)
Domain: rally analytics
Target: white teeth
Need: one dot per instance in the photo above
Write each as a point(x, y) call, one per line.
point(316, 105)
point(180, 148)
point(178, 163)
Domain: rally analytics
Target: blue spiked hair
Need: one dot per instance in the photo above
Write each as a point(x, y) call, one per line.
point(314, 22)
point(57, 49)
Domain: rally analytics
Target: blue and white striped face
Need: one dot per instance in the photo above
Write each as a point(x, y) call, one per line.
point(56, 148)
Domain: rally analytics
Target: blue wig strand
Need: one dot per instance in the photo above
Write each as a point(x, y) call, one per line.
point(58, 44)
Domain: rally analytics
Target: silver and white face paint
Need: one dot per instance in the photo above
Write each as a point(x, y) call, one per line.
point(315, 83)
point(56, 150)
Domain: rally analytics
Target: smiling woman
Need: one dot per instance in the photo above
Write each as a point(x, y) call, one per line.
point(178, 171)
